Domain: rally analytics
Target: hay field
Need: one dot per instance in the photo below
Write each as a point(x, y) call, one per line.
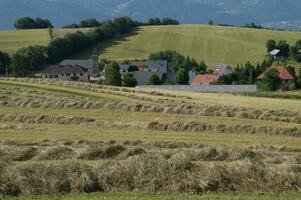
point(12, 40)
point(213, 44)
point(61, 138)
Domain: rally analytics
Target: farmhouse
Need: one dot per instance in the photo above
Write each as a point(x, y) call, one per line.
point(66, 72)
point(205, 79)
point(274, 53)
point(223, 69)
point(91, 65)
point(284, 74)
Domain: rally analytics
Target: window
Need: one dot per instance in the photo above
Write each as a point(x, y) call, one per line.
point(50, 76)
point(62, 74)
point(74, 74)
point(67, 74)
point(81, 74)
point(46, 76)
point(56, 76)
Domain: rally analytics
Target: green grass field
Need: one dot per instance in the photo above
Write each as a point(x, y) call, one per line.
point(12, 40)
point(213, 44)
point(69, 138)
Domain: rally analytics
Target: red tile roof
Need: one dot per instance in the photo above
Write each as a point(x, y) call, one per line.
point(141, 63)
point(284, 74)
point(205, 79)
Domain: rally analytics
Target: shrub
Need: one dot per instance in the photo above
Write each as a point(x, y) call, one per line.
point(154, 80)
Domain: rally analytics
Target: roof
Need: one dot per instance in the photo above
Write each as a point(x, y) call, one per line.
point(157, 65)
point(205, 79)
point(124, 66)
point(141, 63)
point(284, 74)
point(58, 69)
point(274, 52)
point(84, 63)
point(143, 76)
point(223, 69)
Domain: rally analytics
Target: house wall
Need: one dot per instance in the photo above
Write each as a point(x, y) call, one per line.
point(84, 77)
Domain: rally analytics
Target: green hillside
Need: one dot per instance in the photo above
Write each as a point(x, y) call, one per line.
point(214, 44)
point(12, 40)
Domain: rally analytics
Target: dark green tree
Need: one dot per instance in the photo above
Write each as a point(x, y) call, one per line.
point(182, 76)
point(4, 62)
point(29, 23)
point(201, 68)
point(154, 80)
point(271, 45)
point(271, 80)
point(28, 60)
point(112, 74)
point(284, 48)
point(129, 80)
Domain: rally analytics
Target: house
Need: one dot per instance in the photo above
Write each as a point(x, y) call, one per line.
point(192, 75)
point(91, 65)
point(205, 79)
point(284, 74)
point(274, 53)
point(141, 65)
point(157, 66)
point(124, 68)
point(223, 69)
point(66, 72)
point(142, 77)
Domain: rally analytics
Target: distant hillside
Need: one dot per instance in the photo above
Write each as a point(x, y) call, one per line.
point(213, 44)
point(62, 12)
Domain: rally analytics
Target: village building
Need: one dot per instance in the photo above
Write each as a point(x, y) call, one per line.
point(74, 70)
point(205, 79)
point(274, 53)
point(284, 74)
point(140, 65)
point(66, 72)
point(223, 69)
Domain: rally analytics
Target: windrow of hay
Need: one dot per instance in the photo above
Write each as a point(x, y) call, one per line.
point(44, 119)
point(205, 110)
point(224, 128)
point(167, 105)
point(86, 150)
point(147, 173)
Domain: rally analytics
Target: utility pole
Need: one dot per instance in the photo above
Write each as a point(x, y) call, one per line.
point(6, 70)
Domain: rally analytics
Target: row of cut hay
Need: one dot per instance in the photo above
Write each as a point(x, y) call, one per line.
point(147, 174)
point(224, 128)
point(24, 151)
point(242, 113)
point(44, 119)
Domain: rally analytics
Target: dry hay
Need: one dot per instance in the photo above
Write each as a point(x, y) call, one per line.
point(223, 128)
point(147, 173)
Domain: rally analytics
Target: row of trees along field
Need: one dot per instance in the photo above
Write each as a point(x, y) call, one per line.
point(92, 22)
point(30, 23)
point(32, 59)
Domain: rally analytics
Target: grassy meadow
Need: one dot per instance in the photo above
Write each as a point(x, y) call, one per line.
point(67, 139)
point(213, 44)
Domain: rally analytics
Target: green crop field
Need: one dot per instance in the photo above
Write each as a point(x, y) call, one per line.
point(69, 138)
point(213, 44)
point(12, 40)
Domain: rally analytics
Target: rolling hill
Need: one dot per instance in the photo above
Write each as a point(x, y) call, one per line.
point(213, 44)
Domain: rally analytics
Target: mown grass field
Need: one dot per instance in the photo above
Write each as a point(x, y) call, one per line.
point(213, 44)
point(68, 139)
point(12, 40)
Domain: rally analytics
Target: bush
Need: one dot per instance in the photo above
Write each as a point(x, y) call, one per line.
point(129, 80)
point(182, 76)
point(112, 74)
point(154, 80)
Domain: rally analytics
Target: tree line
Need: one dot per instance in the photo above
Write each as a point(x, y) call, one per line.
point(92, 22)
point(30, 23)
point(32, 59)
